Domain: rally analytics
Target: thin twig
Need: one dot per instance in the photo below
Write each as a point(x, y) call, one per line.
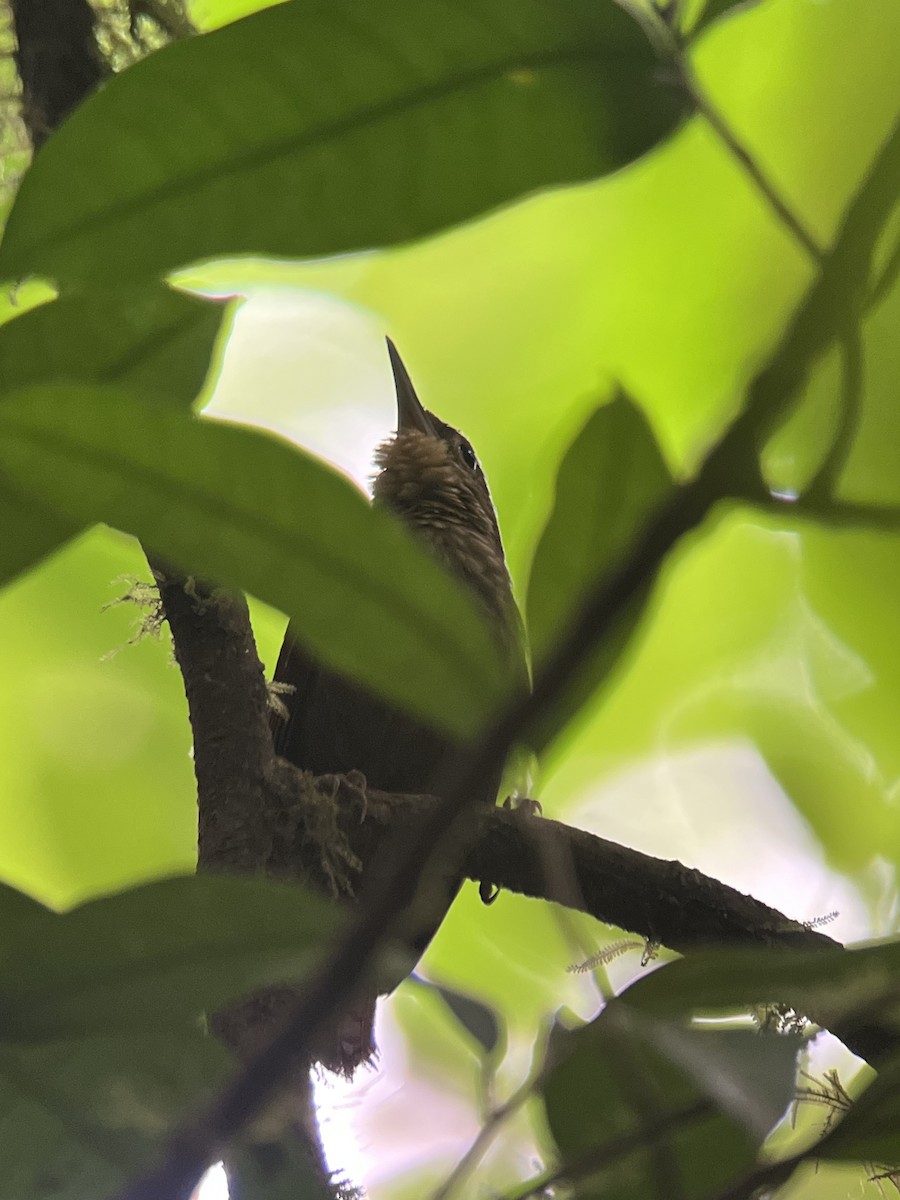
point(838, 514)
point(886, 279)
point(483, 1139)
point(748, 162)
point(822, 486)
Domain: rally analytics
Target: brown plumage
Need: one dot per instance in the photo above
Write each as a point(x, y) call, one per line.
point(429, 476)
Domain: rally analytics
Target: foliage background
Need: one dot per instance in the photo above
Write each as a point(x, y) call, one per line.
point(752, 729)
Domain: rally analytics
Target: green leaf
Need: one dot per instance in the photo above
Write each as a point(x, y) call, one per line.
point(611, 482)
point(261, 136)
point(81, 1118)
point(628, 1094)
point(158, 955)
point(238, 506)
point(15, 908)
point(31, 531)
point(477, 1019)
point(833, 986)
point(151, 340)
point(102, 1050)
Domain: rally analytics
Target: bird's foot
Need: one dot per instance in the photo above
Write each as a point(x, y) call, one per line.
point(311, 841)
point(525, 810)
point(348, 791)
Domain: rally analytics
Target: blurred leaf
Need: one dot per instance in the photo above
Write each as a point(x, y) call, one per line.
point(296, 112)
point(81, 1117)
point(31, 531)
point(159, 955)
point(151, 340)
point(610, 484)
point(480, 1021)
point(750, 1075)
point(870, 474)
point(834, 985)
point(237, 506)
point(632, 1102)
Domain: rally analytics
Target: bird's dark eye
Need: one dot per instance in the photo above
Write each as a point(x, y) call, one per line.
point(467, 454)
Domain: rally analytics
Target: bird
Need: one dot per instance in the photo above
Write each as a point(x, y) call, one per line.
point(429, 477)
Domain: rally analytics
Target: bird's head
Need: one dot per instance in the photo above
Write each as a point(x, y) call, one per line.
point(428, 474)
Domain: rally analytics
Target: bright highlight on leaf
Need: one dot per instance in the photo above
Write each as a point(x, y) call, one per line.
point(260, 137)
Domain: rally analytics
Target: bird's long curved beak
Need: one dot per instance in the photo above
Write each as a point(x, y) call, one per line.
point(410, 413)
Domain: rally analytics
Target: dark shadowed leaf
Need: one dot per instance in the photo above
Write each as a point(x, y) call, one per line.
point(153, 340)
point(632, 1101)
point(262, 136)
point(102, 1046)
point(245, 509)
point(478, 1020)
point(832, 985)
point(15, 908)
point(81, 1117)
point(30, 530)
point(610, 484)
point(157, 956)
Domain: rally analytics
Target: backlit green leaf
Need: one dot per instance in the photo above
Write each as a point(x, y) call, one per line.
point(610, 484)
point(262, 136)
point(155, 341)
point(237, 506)
point(628, 1094)
point(151, 340)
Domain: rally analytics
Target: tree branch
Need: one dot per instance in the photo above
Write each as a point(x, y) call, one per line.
point(58, 61)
